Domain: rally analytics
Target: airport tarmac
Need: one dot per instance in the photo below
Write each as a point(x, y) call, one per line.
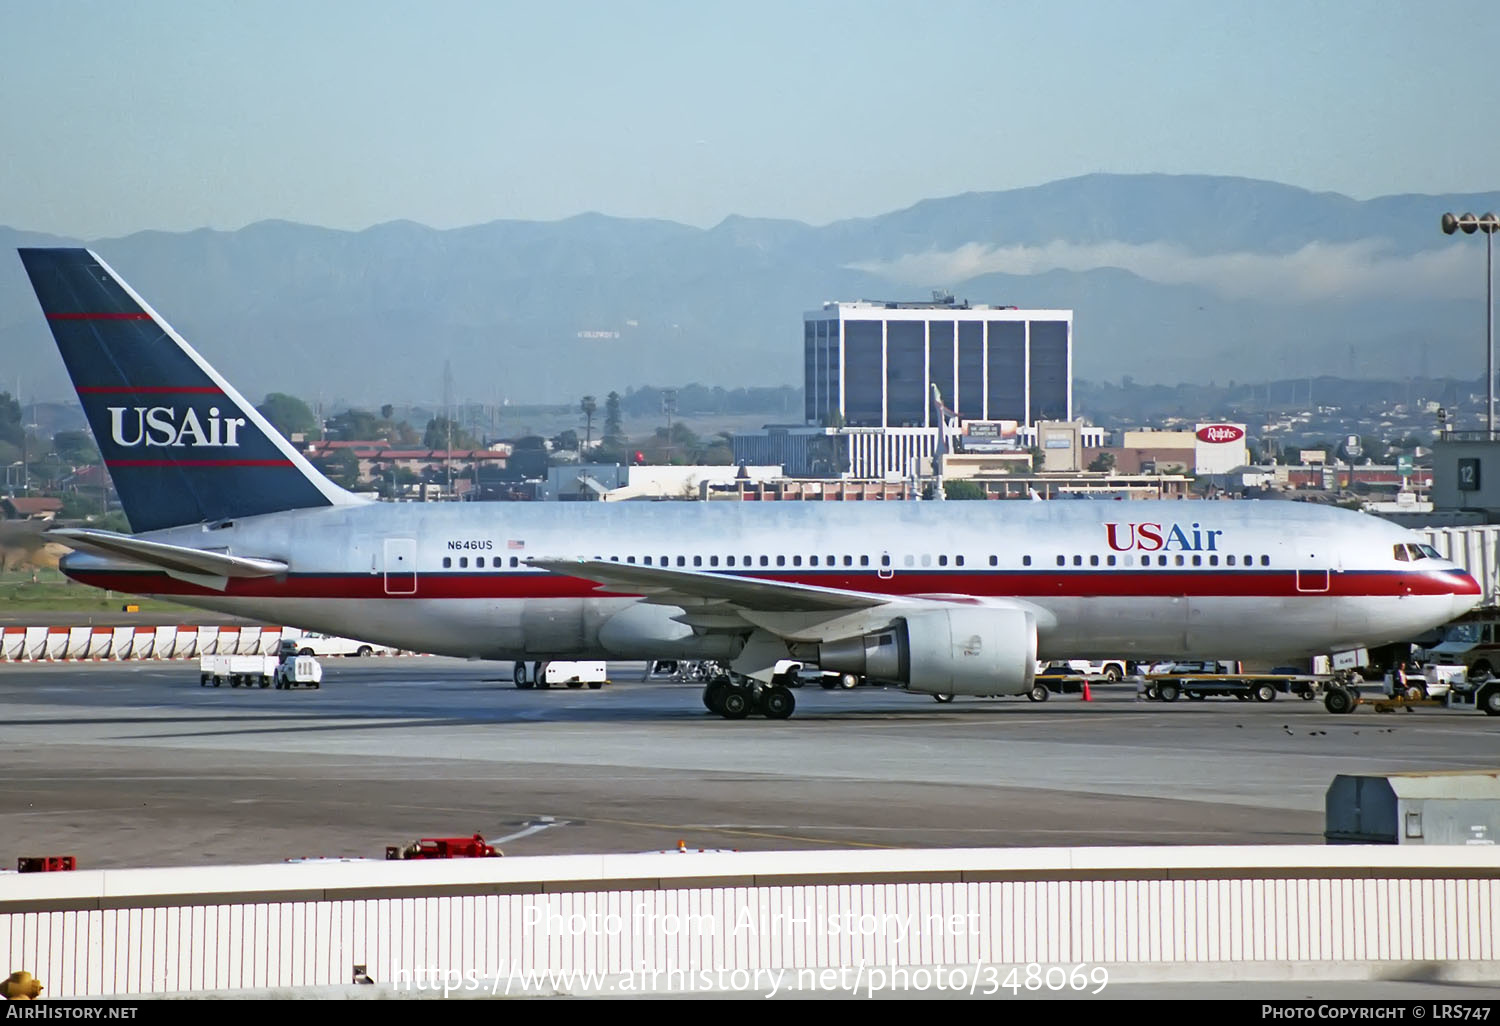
point(134, 764)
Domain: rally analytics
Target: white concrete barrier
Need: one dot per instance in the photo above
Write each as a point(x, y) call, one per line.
point(586, 922)
point(186, 641)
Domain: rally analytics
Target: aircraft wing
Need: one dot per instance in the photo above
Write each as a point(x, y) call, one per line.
point(691, 587)
point(177, 560)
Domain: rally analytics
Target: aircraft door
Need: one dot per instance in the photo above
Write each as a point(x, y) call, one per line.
point(1312, 562)
point(400, 566)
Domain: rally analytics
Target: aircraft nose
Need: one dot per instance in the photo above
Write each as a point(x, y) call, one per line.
point(1466, 592)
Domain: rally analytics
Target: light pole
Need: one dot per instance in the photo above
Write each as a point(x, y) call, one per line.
point(1487, 223)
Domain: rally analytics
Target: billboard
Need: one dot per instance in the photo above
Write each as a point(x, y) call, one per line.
point(990, 436)
point(1219, 448)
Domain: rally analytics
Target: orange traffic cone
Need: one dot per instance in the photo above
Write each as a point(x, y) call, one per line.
point(1086, 696)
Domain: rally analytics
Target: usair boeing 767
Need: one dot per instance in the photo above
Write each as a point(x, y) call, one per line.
point(955, 598)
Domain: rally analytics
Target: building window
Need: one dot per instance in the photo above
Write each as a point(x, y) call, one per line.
point(864, 382)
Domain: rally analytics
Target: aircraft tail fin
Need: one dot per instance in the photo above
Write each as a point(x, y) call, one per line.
point(182, 446)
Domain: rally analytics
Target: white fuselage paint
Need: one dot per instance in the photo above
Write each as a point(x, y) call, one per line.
point(1319, 579)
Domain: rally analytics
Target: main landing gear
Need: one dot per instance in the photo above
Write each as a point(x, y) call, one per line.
point(735, 697)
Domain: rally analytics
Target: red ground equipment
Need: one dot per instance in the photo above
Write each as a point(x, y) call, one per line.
point(46, 864)
point(444, 848)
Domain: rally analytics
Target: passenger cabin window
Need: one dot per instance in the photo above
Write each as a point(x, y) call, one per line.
point(1093, 561)
point(713, 560)
point(697, 560)
point(447, 562)
point(514, 561)
point(1062, 560)
point(812, 560)
point(958, 560)
point(729, 561)
point(463, 562)
point(1229, 560)
point(1025, 560)
point(848, 560)
point(864, 560)
point(1078, 561)
point(885, 560)
point(630, 559)
point(682, 561)
point(781, 561)
point(765, 560)
point(1109, 560)
point(942, 561)
point(1265, 560)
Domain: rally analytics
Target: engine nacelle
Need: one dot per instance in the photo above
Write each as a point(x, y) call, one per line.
point(952, 651)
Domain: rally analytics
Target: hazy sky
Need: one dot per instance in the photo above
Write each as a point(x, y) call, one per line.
point(116, 117)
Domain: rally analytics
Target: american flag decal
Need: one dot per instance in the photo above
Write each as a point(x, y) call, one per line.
point(513, 544)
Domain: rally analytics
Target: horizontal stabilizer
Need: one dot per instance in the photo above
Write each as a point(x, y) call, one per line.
point(175, 559)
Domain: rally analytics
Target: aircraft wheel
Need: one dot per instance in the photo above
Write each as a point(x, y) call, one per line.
point(778, 703)
point(713, 694)
point(734, 704)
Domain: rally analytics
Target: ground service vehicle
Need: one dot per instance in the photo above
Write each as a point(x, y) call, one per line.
point(567, 673)
point(314, 643)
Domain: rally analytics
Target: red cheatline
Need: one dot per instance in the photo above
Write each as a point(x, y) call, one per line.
point(137, 316)
point(199, 463)
point(150, 390)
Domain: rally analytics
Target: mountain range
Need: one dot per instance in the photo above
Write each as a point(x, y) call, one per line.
point(1173, 278)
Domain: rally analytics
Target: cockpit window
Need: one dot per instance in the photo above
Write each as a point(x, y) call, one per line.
point(1430, 552)
point(1401, 556)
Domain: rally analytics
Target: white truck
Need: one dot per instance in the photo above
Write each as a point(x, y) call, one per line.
point(286, 670)
point(567, 673)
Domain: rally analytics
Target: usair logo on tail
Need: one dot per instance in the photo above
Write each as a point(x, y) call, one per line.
point(163, 426)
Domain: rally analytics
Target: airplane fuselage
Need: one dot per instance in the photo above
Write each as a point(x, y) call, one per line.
point(1103, 578)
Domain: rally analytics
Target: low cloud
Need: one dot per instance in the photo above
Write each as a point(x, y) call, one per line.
point(1318, 271)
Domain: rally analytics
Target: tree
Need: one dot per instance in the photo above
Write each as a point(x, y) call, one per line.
point(10, 420)
point(962, 490)
point(438, 435)
point(342, 468)
point(75, 447)
point(289, 415)
point(588, 406)
point(614, 430)
point(353, 426)
point(1103, 463)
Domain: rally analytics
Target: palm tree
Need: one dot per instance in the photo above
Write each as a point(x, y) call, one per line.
point(587, 407)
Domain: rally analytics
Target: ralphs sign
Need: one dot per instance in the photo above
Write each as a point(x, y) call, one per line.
point(1220, 433)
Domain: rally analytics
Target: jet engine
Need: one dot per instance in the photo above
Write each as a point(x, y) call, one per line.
point(952, 651)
